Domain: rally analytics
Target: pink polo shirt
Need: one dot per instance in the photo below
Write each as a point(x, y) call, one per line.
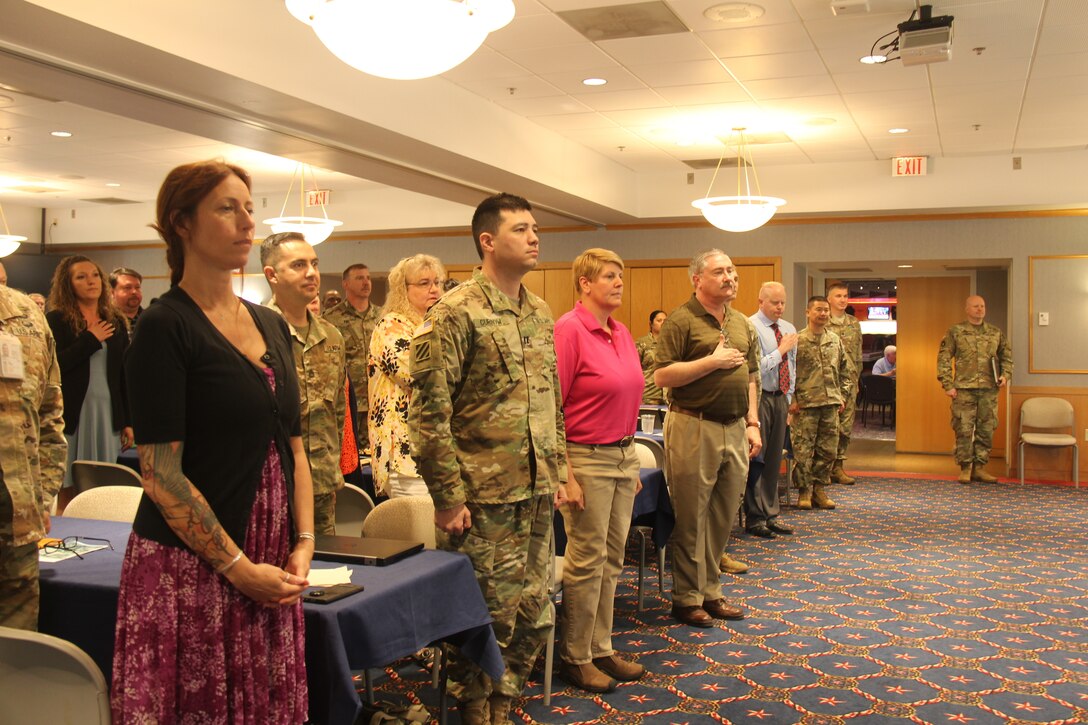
point(600, 377)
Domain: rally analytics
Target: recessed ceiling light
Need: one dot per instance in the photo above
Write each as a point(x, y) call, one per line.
point(61, 134)
point(906, 266)
point(873, 59)
point(734, 12)
point(112, 183)
point(898, 130)
point(594, 82)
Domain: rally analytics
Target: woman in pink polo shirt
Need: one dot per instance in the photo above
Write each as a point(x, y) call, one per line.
point(601, 380)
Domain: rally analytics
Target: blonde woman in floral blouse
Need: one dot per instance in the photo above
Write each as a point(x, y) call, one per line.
point(415, 284)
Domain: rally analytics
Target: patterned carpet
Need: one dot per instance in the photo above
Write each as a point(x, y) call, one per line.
point(917, 601)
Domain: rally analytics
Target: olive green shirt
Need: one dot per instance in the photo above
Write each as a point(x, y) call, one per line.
point(486, 409)
point(825, 375)
point(691, 333)
point(33, 450)
point(848, 329)
point(977, 351)
point(319, 363)
point(647, 352)
point(357, 329)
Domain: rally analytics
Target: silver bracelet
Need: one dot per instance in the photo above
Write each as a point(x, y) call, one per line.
point(307, 535)
point(226, 567)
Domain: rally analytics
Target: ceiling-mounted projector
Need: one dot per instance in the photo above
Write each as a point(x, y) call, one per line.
point(927, 39)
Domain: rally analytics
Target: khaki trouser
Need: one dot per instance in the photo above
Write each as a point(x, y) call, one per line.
point(511, 547)
point(596, 541)
point(706, 466)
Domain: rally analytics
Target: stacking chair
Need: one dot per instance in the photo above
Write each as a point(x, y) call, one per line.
point(879, 393)
point(92, 474)
point(353, 505)
point(108, 503)
point(650, 455)
point(655, 450)
point(408, 518)
point(44, 679)
point(1048, 413)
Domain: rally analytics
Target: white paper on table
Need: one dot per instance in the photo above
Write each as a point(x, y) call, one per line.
point(328, 577)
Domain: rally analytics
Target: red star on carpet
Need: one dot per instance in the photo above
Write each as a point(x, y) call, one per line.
point(961, 623)
point(1015, 640)
point(799, 645)
point(905, 656)
point(759, 714)
point(697, 635)
point(757, 626)
point(912, 630)
point(735, 654)
point(562, 710)
point(1061, 611)
point(833, 701)
point(636, 642)
point(960, 679)
point(961, 648)
point(640, 699)
point(896, 689)
point(781, 676)
point(813, 619)
point(670, 663)
point(1021, 670)
point(1068, 633)
point(958, 717)
point(1027, 706)
point(844, 666)
point(712, 687)
point(865, 613)
point(857, 635)
point(1077, 661)
point(914, 606)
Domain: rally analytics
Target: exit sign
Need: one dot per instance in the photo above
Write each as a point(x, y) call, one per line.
point(317, 197)
point(909, 166)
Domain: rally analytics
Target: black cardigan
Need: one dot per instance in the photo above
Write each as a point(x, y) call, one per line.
point(188, 383)
point(74, 350)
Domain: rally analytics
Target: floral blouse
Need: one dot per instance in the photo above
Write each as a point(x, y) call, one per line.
point(389, 391)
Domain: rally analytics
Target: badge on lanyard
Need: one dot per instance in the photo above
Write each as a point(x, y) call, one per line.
point(11, 357)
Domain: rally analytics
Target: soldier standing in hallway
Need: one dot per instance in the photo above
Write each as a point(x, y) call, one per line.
point(487, 432)
point(847, 327)
point(975, 359)
point(33, 451)
point(290, 266)
point(825, 381)
point(356, 319)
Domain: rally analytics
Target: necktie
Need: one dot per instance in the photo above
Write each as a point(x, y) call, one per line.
point(784, 366)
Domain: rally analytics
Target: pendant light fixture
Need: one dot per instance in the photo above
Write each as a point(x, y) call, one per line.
point(745, 211)
point(315, 229)
point(8, 242)
point(403, 39)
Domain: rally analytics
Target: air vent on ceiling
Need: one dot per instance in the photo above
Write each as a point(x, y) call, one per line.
point(637, 20)
point(32, 188)
point(845, 270)
point(730, 163)
point(110, 201)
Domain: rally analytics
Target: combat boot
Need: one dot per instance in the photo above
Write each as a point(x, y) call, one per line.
point(979, 474)
point(474, 712)
point(820, 498)
point(965, 473)
point(804, 499)
point(840, 476)
point(500, 709)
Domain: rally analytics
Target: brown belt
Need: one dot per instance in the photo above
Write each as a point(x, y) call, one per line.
point(723, 420)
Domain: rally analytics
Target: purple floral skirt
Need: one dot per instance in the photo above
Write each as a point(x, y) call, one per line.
point(190, 648)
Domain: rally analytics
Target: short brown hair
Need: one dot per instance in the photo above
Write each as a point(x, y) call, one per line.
point(590, 264)
point(123, 272)
point(352, 267)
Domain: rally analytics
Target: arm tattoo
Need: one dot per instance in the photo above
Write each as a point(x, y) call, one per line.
point(185, 509)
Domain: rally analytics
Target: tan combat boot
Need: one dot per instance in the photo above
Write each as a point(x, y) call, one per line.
point(840, 476)
point(820, 499)
point(965, 473)
point(804, 499)
point(978, 473)
point(474, 712)
point(500, 708)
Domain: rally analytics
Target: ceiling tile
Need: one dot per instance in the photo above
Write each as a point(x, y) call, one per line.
point(533, 31)
point(523, 87)
point(791, 87)
point(702, 94)
point(557, 59)
point(686, 73)
point(777, 65)
point(572, 121)
point(622, 100)
point(656, 48)
point(485, 63)
point(571, 81)
point(758, 40)
point(550, 106)
point(691, 12)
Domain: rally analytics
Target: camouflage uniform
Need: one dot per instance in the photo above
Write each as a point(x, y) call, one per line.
point(976, 350)
point(825, 378)
point(487, 431)
point(647, 347)
point(33, 452)
point(319, 363)
point(357, 329)
point(849, 331)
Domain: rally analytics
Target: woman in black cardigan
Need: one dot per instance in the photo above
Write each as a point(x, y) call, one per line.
point(91, 342)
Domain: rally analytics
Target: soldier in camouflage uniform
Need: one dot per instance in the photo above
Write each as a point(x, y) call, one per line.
point(647, 348)
point(356, 319)
point(825, 381)
point(848, 329)
point(290, 266)
point(488, 438)
point(983, 363)
point(33, 452)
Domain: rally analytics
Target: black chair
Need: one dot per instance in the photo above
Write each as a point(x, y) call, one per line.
point(879, 393)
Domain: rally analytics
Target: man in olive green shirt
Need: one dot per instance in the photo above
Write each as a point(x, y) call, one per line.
point(982, 358)
point(847, 327)
point(356, 319)
point(290, 266)
point(708, 355)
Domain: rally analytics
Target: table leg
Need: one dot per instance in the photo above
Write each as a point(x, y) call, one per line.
point(443, 677)
point(368, 687)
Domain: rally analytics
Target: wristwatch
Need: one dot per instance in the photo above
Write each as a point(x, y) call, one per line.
point(752, 424)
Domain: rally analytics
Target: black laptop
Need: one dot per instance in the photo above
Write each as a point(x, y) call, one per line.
point(363, 550)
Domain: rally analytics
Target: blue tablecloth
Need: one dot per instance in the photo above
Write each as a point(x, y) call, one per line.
point(429, 597)
point(652, 508)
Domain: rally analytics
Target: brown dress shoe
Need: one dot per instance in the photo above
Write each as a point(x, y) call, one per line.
point(586, 677)
point(619, 669)
point(718, 609)
point(694, 616)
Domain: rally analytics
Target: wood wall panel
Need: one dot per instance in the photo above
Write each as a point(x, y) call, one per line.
point(676, 287)
point(927, 307)
point(643, 290)
point(1050, 464)
point(535, 281)
point(559, 291)
point(752, 277)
